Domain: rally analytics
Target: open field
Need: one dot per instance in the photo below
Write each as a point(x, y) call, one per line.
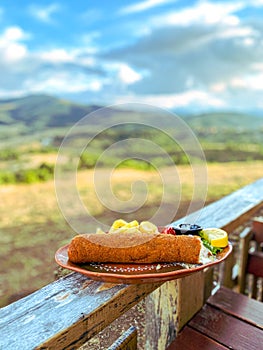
point(32, 226)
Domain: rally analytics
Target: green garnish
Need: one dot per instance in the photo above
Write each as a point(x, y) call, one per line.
point(214, 250)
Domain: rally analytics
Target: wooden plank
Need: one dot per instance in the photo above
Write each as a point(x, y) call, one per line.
point(127, 341)
point(260, 294)
point(226, 271)
point(253, 287)
point(257, 227)
point(208, 282)
point(227, 330)
point(238, 305)
point(190, 297)
point(160, 316)
point(170, 307)
point(66, 313)
point(245, 237)
point(255, 263)
point(255, 269)
point(189, 339)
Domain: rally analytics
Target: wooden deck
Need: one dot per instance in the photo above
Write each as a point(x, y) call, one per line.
point(68, 312)
point(228, 320)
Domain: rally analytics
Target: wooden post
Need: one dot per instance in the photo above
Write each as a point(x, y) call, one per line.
point(170, 307)
point(160, 316)
point(226, 271)
point(245, 238)
point(208, 282)
point(190, 297)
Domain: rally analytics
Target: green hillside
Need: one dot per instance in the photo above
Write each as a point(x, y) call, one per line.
point(38, 111)
point(225, 121)
point(32, 129)
point(38, 118)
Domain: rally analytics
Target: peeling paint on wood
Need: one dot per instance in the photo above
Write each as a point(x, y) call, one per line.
point(160, 315)
point(66, 313)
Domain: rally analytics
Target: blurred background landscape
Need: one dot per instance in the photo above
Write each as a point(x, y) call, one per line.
point(201, 60)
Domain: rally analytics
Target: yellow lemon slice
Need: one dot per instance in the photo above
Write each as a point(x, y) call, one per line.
point(133, 223)
point(118, 223)
point(117, 226)
point(148, 227)
point(216, 237)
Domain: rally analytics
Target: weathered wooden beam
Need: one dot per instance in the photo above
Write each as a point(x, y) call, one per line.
point(190, 298)
point(160, 316)
point(245, 238)
point(66, 313)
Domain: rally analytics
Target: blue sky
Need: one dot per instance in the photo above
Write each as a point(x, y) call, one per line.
point(175, 54)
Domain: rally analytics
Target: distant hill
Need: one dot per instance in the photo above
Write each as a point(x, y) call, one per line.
point(39, 116)
point(48, 111)
point(37, 111)
point(40, 123)
point(225, 121)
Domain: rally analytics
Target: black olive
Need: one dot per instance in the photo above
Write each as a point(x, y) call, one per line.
point(187, 229)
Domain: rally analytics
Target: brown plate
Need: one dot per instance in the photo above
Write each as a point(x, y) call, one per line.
point(135, 273)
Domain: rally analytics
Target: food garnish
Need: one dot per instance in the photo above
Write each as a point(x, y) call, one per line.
point(216, 238)
point(169, 231)
point(122, 226)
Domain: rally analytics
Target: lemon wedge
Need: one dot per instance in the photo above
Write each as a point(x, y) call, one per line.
point(118, 223)
point(148, 227)
point(216, 237)
point(133, 223)
point(124, 226)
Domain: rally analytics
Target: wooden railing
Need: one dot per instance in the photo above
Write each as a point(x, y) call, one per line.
point(70, 311)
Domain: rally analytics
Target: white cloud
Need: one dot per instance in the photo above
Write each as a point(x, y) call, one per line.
point(63, 81)
point(14, 52)
point(256, 3)
point(253, 82)
point(11, 48)
point(54, 71)
point(238, 31)
point(44, 13)
point(204, 12)
point(57, 55)
point(13, 33)
point(127, 75)
point(218, 87)
point(203, 56)
point(4, 93)
point(173, 101)
point(143, 6)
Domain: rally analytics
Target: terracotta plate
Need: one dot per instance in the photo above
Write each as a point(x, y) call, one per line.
point(135, 273)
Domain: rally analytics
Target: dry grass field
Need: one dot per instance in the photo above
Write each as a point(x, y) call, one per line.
point(32, 226)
